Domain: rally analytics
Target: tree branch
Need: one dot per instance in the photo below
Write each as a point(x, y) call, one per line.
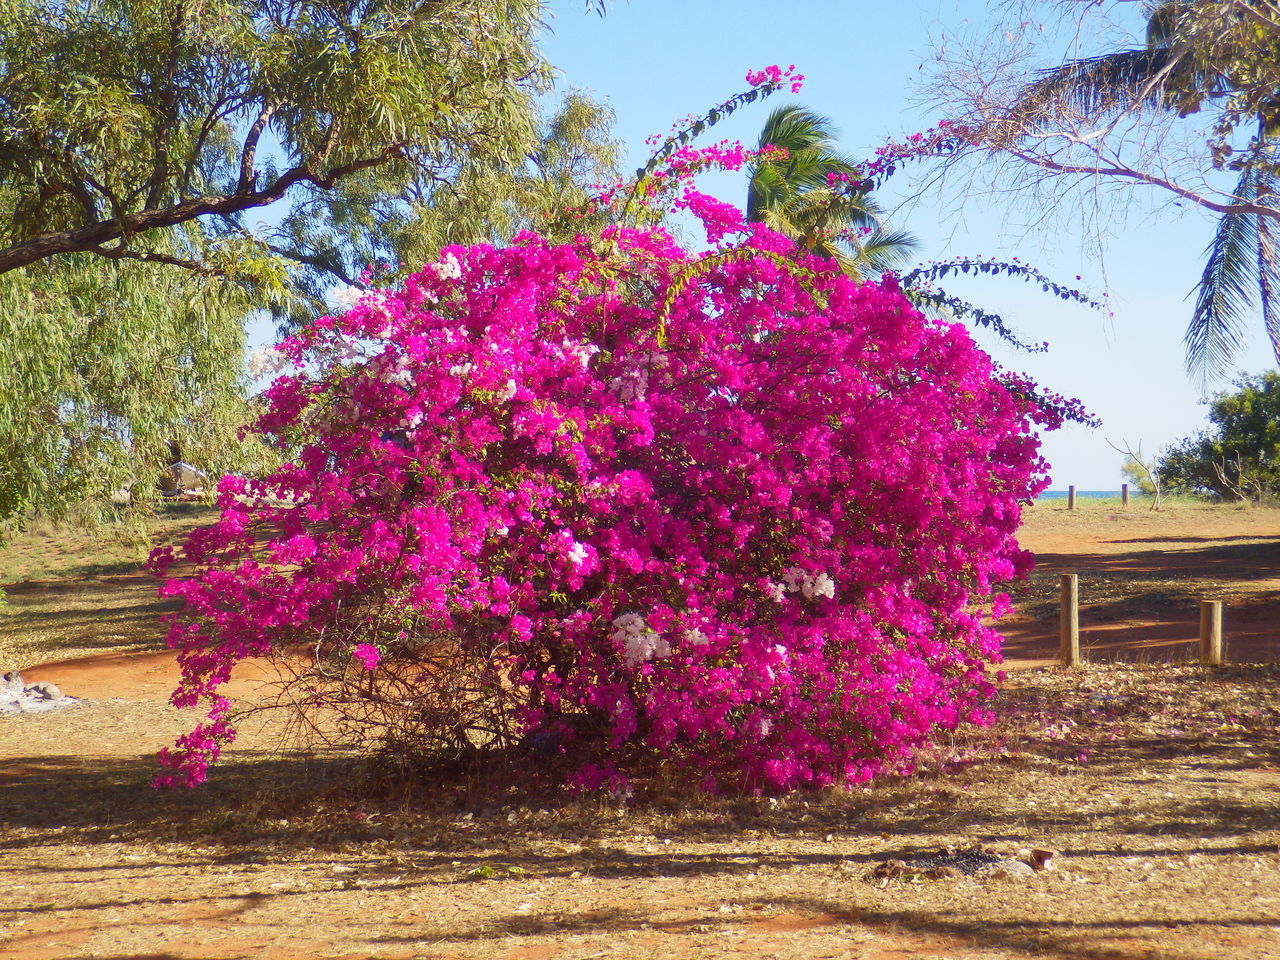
point(250, 148)
point(1140, 176)
point(1250, 12)
point(120, 253)
point(314, 260)
point(94, 235)
point(218, 112)
point(169, 105)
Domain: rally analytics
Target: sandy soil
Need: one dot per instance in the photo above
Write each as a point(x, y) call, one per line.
point(1142, 574)
point(1159, 784)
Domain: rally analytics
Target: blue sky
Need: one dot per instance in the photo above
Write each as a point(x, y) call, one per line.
point(655, 61)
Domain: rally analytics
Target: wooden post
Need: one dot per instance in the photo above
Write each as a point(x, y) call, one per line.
point(1211, 633)
point(1071, 497)
point(1069, 621)
point(1124, 494)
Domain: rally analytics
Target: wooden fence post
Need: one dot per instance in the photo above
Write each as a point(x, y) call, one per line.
point(1069, 621)
point(1124, 494)
point(1071, 497)
point(1211, 633)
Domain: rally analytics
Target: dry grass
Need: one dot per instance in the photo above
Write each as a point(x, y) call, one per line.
point(1158, 784)
point(78, 590)
point(84, 547)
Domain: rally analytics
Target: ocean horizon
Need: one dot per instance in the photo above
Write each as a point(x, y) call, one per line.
point(1088, 494)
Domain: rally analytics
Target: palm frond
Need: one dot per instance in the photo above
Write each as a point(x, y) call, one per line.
point(885, 248)
point(767, 190)
point(823, 210)
point(1162, 75)
point(1267, 191)
point(797, 128)
point(797, 196)
point(809, 139)
point(1226, 290)
point(1162, 22)
point(1096, 85)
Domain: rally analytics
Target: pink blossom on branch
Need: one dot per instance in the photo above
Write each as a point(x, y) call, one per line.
point(775, 76)
point(367, 655)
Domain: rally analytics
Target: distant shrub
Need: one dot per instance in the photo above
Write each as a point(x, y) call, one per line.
point(1238, 456)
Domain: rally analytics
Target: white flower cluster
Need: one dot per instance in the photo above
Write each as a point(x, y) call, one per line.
point(656, 359)
point(634, 384)
point(796, 580)
point(461, 369)
point(345, 412)
point(508, 392)
point(577, 552)
point(265, 361)
point(339, 351)
point(582, 352)
point(448, 268)
point(347, 297)
point(631, 386)
point(639, 643)
point(696, 637)
point(398, 371)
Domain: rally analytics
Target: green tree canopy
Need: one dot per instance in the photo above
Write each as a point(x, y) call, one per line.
point(137, 135)
point(1238, 456)
point(119, 118)
point(107, 364)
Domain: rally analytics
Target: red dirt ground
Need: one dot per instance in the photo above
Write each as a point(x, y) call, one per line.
point(99, 867)
point(1232, 554)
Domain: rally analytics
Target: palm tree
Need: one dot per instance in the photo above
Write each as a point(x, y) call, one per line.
point(1241, 270)
point(810, 195)
point(805, 196)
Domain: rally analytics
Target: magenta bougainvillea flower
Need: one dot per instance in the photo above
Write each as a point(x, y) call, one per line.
point(729, 508)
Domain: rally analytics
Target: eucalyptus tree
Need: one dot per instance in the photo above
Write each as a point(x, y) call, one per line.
point(105, 366)
point(137, 137)
point(119, 118)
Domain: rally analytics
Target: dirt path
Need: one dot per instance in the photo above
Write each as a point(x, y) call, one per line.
point(1159, 785)
point(1141, 577)
point(1161, 793)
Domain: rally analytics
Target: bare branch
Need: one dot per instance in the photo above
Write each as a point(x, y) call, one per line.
point(168, 104)
point(1124, 172)
point(313, 260)
point(250, 149)
point(121, 253)
point(1142, 468)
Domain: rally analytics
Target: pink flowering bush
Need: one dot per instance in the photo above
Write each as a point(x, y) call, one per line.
point(612, 501)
